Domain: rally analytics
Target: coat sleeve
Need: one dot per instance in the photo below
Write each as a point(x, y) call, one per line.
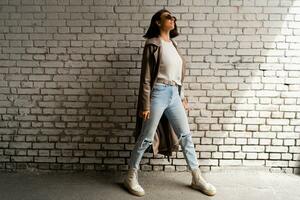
point(145, 78)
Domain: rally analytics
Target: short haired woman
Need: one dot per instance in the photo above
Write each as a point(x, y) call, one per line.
point(164, 97)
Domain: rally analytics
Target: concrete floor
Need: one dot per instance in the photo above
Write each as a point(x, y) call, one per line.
point(232, 184)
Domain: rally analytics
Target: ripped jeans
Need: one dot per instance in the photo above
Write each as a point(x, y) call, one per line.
point(165, 99)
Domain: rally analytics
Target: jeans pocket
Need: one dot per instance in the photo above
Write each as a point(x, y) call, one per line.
point(158, 90)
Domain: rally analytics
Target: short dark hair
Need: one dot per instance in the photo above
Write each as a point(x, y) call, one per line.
point(154, 30)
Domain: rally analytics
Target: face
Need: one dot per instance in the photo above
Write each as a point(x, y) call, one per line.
point(167, 21)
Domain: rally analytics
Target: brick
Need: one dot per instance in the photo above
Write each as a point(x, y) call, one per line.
point(44, 159)
point(253, 121)
point(225, 10)
point(114, 161)
point(113, 146)
point(276, 149)
point(20, 145)
point(89, 146)
point(253, 162)
point(42, 145)
point(229, 148)
point(253, 148)
point(66, 145)
point(21, 159)
point(230, 162)
point(277, 163)
point(206, 148)
point(161, 161)
point(67, 160)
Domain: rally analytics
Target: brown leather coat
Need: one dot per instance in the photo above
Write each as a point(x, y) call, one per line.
point(165, 140)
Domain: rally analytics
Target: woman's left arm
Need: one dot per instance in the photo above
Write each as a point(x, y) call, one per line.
point(184, 100)
point(182, 96)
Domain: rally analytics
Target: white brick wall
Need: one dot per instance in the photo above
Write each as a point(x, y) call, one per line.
point(69, 77)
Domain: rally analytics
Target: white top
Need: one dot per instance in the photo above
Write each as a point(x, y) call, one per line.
point(171, 62)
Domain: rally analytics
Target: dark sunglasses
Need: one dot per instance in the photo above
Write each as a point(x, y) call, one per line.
point(168, 16)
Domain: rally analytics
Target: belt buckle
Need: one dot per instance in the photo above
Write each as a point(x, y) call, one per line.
point(167, 82)
point(174, 83)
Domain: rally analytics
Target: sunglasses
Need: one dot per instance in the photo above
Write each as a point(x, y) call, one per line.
point(170, 17)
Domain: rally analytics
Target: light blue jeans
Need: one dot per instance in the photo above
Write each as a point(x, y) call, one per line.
point(165, 99)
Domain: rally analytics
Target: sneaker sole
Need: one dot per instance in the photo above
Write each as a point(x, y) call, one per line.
point(203, 190)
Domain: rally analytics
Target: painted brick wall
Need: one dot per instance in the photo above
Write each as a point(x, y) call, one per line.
point(69, 77)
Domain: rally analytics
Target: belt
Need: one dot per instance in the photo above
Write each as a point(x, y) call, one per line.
point(168, 82)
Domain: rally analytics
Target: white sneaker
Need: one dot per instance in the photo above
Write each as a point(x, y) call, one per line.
point(131, 183)
point(199, 183)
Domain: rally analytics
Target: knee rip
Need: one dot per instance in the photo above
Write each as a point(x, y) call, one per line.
point(146, 142)
point(183, 135)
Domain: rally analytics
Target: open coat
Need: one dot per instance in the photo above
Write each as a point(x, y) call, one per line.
point(165, 140)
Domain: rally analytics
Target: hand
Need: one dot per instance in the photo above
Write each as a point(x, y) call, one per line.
point(145, 114)
point(185, 104)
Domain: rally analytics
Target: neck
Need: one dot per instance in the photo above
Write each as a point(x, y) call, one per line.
point(165, 35)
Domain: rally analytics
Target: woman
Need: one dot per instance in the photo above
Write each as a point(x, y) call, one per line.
point(163, 96)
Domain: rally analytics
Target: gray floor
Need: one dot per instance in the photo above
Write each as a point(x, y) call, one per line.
point(231, 184)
